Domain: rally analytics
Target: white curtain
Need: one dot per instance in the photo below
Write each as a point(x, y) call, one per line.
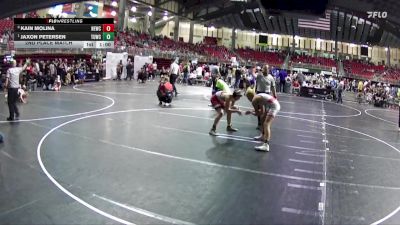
point(112, 60)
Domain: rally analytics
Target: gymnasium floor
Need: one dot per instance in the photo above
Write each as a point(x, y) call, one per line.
point(106, 153)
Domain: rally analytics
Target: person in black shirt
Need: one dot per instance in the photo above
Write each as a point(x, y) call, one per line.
point(163, 72)
point(129, 71)
point(96, 70)
point(119, 70)
point(238, 76)
point(62, 71)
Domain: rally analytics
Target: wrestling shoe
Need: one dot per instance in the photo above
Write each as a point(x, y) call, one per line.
point(264, 147)
point(212, 133)
point(231, 129)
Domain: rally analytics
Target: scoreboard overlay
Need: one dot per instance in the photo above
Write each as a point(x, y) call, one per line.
point(64, 33)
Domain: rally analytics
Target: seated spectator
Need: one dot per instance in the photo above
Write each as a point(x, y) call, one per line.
point(23, 95)
point(48, 82)
point(369, 97)
point(142, 75)
point(296, 87)
point(57, 84)
point(192, 78)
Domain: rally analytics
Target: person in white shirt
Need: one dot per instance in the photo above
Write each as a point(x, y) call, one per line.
point(173, 74)
point(199, 71)
point(57, 84)
point(387, 88)
point(340, 88)
point(14, 76)
point(154, 66)
point(366, 84)
point(230, 71)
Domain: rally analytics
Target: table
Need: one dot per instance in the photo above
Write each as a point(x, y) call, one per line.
point(311, 92)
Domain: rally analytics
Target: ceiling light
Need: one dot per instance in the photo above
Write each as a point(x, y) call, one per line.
point(113, 13)
point(150, 13)
point(212, 28)
point(165, 18)
point(133, 9)
point(114, 3)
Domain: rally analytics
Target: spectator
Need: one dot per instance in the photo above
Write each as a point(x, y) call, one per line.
point(340, 88)
point(119, 70)
point(282, 79)
point(296, 87)
point(97, 71)
point(129, 70)
point(238, 76)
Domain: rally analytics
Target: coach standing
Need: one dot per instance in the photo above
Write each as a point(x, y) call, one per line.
point(265, 83)
point(12, 84)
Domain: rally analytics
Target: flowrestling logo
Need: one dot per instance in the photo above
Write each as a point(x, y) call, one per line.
point(374, 14)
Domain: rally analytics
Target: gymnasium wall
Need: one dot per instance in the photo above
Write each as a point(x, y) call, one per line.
point(250, 39)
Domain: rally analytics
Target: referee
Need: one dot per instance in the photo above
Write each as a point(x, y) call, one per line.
point(173, 74)
point(14, 76)
point(265, 83)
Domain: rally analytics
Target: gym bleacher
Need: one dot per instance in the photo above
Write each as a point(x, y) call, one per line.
point(272, 58)
point(362, 69)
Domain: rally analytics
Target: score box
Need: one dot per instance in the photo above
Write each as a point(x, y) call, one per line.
point(108, 27)
point(108, 36)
